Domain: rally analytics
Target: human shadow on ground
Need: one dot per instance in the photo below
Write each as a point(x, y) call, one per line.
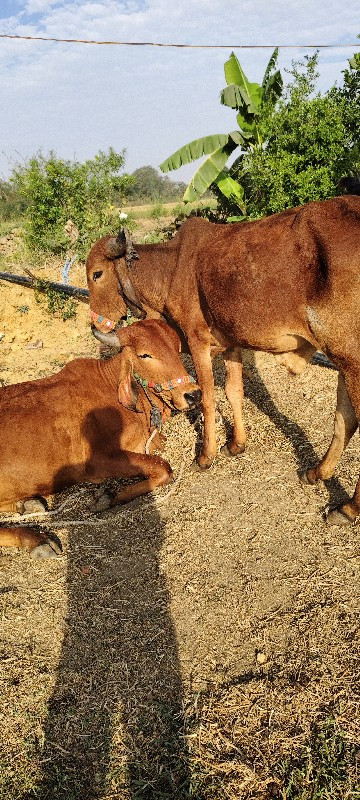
point(115, 718)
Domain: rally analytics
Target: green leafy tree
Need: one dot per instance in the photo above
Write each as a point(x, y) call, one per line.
point(254, 104)
point(11, 205)
point(149, 185)
point(56, 190)
point(312, 141)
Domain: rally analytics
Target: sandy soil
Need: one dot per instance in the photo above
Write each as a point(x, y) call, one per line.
point(195, 638)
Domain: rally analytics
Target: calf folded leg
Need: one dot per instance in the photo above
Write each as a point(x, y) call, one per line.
point(154, 470)
point(35, 541)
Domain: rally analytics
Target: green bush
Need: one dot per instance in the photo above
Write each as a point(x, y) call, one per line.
point(55, 190)
point(312, 142)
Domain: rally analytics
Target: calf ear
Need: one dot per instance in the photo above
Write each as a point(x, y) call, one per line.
point(128, 388)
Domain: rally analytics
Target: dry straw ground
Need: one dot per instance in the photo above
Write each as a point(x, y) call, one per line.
point(202, 643)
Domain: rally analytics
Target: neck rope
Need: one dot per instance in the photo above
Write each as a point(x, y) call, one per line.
point(155, 414)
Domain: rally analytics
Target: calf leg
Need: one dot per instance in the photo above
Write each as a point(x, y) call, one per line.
point(345, 425)
point(35, 541)
point(154, 470)
point(234, 390)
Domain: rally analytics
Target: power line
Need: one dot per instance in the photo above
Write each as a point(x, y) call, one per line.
point(189, 46)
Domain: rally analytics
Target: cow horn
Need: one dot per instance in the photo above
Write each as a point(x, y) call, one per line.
point(110, 339)
point(121, 245)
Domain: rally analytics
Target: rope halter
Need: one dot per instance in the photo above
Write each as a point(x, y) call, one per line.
point(156, 415)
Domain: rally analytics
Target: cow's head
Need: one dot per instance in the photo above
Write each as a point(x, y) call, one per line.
point(150, 357)
point(110, 289)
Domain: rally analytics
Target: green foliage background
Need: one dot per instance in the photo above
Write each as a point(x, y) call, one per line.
point(295, 146)
point(310, 143)
point(54, 190)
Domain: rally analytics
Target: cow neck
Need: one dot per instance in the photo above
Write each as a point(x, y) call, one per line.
point(109, 371)
point(149, 403)
point(151, 275)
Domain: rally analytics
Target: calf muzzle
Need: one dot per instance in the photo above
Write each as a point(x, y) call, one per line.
point(193, 398)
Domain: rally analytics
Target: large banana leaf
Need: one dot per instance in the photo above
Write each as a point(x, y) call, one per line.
point(236, 96)
point(231, 189)
point(234, 74)
point(208, 172)
point(273, 89)
point(272, 83)
point(202, 147)
point(270, 67)
point(195, 149)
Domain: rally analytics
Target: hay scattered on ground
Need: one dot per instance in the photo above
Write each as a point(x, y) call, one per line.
point(195, 644)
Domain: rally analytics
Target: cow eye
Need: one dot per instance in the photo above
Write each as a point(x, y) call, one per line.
point(144, 355)
point(97, 275)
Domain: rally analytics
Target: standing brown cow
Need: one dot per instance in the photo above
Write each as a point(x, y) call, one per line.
point(287, 284)
point(91, 421)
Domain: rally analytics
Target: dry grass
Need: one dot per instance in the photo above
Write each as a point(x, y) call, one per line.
point(200, 644)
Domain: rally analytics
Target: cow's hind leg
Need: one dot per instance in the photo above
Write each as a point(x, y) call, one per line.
point(235, 394)
point(350, 411)
point(345, 425)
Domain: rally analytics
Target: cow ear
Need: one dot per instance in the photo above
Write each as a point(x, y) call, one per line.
point(128, 388)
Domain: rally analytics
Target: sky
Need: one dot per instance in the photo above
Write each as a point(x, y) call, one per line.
point(77, 99)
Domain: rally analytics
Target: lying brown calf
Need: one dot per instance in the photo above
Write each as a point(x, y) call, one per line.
point(89, 422)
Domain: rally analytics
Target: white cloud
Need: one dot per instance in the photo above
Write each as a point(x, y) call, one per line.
point(77, 99)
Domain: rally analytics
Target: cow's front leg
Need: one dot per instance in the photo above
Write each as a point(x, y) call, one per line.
point(234, 390)
point(199, 344)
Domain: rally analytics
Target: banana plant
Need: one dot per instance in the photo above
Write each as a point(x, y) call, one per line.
point(251, 101)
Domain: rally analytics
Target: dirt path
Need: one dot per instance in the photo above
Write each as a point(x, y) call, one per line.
point(200, 636)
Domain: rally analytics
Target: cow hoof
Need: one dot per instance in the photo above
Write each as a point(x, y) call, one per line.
point(50, 549)
point(308, 477)
point(102, 503)
point(231, 449)
point(35, 505)
point(338, 517)
point(200, 466)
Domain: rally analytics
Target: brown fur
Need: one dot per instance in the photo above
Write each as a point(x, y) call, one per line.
point(288, 284)
point(89, 422)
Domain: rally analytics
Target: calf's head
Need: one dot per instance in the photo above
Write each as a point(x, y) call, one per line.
point(150, 358)
point(110, 288)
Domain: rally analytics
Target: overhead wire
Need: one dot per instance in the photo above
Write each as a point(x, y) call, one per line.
point(180, 45)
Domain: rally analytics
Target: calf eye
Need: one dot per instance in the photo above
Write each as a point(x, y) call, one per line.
point(97, 275)
point(145, 355)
